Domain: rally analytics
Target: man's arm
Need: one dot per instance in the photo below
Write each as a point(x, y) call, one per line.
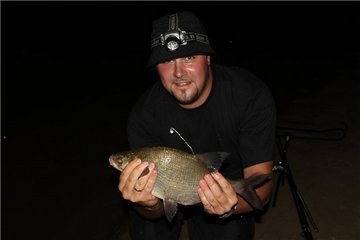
point(264, 191)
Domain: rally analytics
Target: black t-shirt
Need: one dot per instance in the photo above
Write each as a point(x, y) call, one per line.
point(239, 117)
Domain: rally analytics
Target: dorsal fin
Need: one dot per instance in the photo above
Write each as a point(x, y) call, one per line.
point(213, 160)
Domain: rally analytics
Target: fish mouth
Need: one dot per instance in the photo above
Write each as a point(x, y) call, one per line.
point(114, 161)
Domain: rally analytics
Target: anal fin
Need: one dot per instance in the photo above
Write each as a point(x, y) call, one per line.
point(170, 208)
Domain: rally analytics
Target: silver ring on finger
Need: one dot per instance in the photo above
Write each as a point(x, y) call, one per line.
point(138, 186)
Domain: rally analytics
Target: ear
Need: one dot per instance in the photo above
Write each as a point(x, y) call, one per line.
point(208, 59)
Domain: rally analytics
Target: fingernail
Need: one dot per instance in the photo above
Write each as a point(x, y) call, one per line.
point(151, 166)
point(215, 174)
point(208, 177)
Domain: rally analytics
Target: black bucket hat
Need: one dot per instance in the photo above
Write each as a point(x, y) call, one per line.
point(178, 35)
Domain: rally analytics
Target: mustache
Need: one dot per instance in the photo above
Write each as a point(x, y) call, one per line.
point(180, 80)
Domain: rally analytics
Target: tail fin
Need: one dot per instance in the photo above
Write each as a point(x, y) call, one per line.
point(248, 193)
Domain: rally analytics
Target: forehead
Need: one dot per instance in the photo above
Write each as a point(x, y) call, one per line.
point(194, 56)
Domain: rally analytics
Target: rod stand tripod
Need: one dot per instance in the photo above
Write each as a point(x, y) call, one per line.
point(282, 170)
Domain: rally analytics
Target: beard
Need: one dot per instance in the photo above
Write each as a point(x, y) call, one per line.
point(183, 97)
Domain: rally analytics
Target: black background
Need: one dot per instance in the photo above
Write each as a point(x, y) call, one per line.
point(59, 54)
point(72, 70)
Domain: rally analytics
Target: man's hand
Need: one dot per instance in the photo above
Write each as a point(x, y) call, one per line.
point(219, 197)
point(216, 194)
point(137, 187)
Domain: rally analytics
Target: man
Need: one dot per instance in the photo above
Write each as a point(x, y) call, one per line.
point(198, 107)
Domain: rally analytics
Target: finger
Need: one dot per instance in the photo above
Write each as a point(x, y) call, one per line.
point(215, 196)
point(222, 182)
point(203, 198)
point(207, 206)
point(143, 179)
point(206, 189)
point(133, 178)
point(127, 183)
point(146, 197)
point(126, 172)
point(151, 178)
point(129, 191)
point(227, 190)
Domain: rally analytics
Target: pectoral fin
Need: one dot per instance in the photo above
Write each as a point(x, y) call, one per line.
point(170, 208)
point(144, 172)
point(213, 160)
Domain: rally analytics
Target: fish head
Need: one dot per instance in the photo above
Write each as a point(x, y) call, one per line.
point(120, 160)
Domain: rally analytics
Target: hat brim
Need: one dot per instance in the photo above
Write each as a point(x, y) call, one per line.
point(161, 54)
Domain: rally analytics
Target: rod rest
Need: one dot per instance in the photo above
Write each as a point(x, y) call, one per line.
point(329, 134)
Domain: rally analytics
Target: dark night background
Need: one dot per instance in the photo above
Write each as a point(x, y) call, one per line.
point(72, 70)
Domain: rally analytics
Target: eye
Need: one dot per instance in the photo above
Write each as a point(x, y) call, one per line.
point(189, 58)
point(168, 62)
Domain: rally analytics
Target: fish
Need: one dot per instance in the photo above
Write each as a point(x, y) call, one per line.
point(179, 173)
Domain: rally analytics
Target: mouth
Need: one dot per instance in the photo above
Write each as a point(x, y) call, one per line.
point(182, 84)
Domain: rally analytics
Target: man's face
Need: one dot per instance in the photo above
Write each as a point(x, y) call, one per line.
point(188, 79)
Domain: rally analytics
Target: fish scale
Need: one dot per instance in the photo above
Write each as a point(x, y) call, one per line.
point(176, 174)
point(181, 177)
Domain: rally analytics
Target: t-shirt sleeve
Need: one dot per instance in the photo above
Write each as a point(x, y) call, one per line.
point(257, 131)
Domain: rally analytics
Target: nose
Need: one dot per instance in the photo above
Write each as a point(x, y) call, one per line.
point(179, 70)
